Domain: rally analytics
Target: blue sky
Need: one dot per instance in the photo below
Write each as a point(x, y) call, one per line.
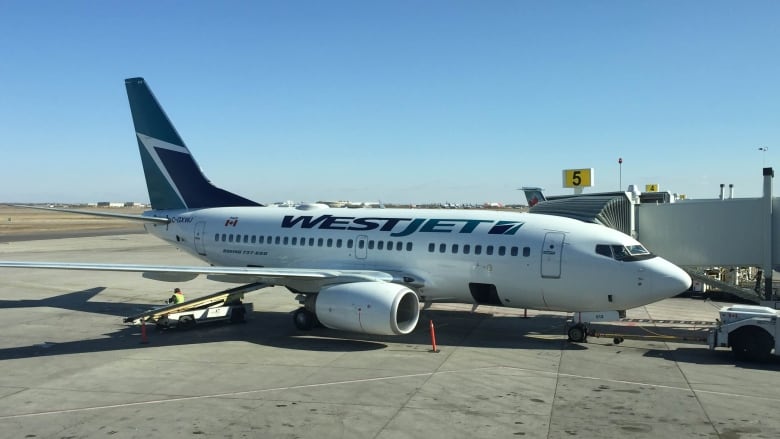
point(399, 101)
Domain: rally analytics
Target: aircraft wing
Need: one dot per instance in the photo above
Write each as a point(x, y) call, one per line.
point(271, 276)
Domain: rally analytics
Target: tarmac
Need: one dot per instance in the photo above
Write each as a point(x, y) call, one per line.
point(70, 368)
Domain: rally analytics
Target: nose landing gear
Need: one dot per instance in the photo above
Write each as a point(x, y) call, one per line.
point(578, 333)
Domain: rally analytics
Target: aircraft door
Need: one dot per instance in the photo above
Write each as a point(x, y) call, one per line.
point(200, 232)
point(361, 250)
point(551, 254)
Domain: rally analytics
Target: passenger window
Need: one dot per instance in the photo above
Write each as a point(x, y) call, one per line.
point(466, 249)
point(442, 248)
point(350, 243)
point(286, 240)
point(389, 245)
point(489, 250)
point(338, 243)
point(319, 242)
point(526, 251)
point(431, 247)
point(277, 240)
point(303, 241)
point(455, 249)
point(477, 249)
point(254, 239)
point(216, 237)
point(361, 244)
point(380, 245)
point(399, 246)
point(513, 251)
point(311, 242)
point(230, 238)
point(329, 242)
point(269, 240)
point(501, 250)
point(238, 238)
point(371, 244)
point(294, 240)
point(408, 246)
point(223, 237)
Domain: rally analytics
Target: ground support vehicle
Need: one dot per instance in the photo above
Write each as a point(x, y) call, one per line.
point(225, 305)
point(752, 332)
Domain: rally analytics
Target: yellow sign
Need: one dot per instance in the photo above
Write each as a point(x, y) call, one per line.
point(651, 187)
point(578, 177)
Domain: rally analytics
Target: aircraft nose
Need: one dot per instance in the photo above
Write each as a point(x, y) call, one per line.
point(672, 280)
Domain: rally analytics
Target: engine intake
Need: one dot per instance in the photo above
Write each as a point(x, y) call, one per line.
point(368, 307)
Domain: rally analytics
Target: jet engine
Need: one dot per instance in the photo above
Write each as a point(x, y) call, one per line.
point(368, 307)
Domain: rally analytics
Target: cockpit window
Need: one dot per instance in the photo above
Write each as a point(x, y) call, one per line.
point(624, 253)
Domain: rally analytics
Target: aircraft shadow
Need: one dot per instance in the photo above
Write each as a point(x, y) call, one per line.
point(704, 356)
point(275, 329)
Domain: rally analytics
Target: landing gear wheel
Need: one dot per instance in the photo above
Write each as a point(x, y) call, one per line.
point(578, 333)
point(304, 319)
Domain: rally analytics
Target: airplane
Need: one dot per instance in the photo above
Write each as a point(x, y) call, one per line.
point(372, 271)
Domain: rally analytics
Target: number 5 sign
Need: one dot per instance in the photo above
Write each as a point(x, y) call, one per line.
point(578, 178)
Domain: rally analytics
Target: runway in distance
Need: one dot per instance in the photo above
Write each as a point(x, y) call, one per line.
point(369, 270)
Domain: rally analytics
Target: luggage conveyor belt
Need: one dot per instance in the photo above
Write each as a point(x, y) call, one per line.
point(223, 297)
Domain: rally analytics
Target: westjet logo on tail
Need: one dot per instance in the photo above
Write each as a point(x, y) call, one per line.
point(399, 226)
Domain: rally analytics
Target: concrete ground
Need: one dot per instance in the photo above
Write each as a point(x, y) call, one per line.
point(69, 367)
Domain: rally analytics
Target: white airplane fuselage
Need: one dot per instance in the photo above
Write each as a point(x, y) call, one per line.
point(471, 256)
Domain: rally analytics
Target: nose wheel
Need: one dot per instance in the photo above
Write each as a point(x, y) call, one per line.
point(578, 333)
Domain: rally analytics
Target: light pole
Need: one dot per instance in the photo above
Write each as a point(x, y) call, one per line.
point(763, 149)
point(620, 173)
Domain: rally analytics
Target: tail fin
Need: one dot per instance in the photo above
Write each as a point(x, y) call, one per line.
point(533, 195)
point(173, 178)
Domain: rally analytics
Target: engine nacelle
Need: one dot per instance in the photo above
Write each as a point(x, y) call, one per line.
point(368, 307)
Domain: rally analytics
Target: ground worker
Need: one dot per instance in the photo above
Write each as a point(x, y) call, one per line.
point(178, 296)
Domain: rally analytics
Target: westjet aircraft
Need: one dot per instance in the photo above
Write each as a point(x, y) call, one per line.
point(368, 270)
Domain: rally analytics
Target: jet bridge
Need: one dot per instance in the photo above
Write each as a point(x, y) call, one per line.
point(725, 232)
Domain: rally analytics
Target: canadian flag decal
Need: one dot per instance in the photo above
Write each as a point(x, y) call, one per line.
point(232, 221)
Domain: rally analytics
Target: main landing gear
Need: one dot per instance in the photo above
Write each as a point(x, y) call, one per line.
point(304, 319)
point(578, 333)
